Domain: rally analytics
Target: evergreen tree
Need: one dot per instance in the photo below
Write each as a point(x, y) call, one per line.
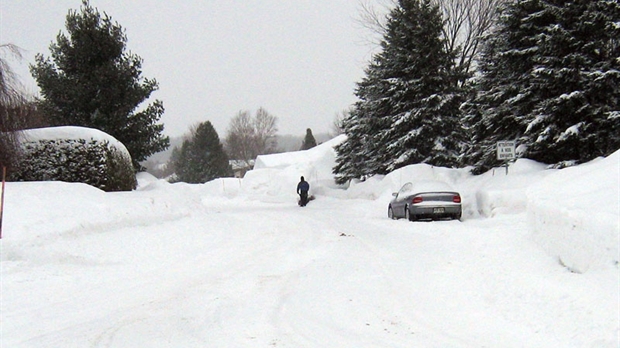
point(578, 73)
point(408, 110)
point(92, 81)
point(502, 77)
point(423, 125)
point(202, 157)
point(309, 141)
point(351, 156)
point(551, 81)
point(179, 162)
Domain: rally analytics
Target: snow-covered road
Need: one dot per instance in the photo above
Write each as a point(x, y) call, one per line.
point(236, 263)
point(244, 273)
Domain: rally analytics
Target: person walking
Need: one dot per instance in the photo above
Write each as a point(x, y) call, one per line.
point(302, 190)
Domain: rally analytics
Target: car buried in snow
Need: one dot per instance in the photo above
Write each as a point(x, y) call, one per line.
point(425, 200)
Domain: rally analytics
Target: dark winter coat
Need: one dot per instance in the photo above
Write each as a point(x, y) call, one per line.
point(302, 187)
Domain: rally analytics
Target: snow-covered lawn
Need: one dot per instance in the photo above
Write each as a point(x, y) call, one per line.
point(236, 263)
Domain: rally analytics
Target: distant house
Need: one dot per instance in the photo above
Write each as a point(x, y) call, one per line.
point(241, 167)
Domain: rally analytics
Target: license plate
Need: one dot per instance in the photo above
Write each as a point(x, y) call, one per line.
point(438, 210)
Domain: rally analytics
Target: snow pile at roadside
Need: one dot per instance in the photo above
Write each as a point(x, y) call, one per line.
point(195, 265)
point(574, 214)
point(502, 190)
point(101, 211)
point(275, 177)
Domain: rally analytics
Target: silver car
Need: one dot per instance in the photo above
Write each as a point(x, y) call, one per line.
point(425, 200)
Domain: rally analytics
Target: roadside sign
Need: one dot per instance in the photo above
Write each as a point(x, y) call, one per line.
point(506, 150)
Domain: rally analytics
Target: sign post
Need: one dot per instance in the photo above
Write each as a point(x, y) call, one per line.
point(506, 151)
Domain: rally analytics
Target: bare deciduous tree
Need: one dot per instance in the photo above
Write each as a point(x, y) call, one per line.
point(465, 22)
point(240, 136)
point(265, 131)
point(373, 17)
point(338, 125)
point(249, 136)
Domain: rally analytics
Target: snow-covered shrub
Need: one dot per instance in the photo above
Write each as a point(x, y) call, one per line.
point(86, 157)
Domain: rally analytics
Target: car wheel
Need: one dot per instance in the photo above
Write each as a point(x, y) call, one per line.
point(391, 213)
point(408, 215)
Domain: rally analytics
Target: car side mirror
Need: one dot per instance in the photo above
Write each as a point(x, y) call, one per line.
point(394, 194)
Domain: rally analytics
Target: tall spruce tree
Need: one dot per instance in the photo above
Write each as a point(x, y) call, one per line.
point(550, 79)
point(409, 98)
point(92, 81)
point(309, 141)
point(423, 125)
point(578, 73)
point(202, 157)
point(502, 77)
point(351, 156)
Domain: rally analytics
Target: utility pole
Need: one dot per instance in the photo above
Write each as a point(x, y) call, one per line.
point(2, 198)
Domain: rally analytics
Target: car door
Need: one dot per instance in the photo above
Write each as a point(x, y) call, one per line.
point(398, 206)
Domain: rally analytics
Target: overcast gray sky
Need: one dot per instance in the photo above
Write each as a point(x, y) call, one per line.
point(298, 59)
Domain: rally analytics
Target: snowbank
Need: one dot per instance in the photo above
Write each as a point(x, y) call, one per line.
point(501, 190)
point(38, 210)
point(275, 177)
point(578, 222)
point(574, 214)
point(194, 265)
point(382, 187)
